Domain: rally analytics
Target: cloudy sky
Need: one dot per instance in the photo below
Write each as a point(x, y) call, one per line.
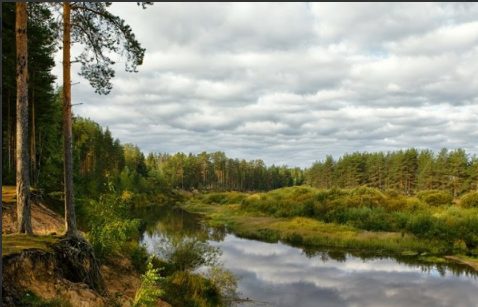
point(290, 83)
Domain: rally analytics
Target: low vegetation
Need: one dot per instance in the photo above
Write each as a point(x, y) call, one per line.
point(16, 243)
point(355, 218)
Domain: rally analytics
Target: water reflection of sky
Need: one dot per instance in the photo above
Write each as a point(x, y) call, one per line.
point(280, 275)
point(283, 276)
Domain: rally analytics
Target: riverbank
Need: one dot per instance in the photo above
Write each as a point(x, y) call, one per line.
point(32, 273)
point(302, 231)
point(473, 263)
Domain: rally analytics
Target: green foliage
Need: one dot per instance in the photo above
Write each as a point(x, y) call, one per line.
point(469, 200)
point(367, 197)
point(223, 198)
point(98, 159)
point(30, 299)
point(45, 142)
point(191, 290)
point(435, 197)
point(149, 291)
point(187, 254)
point(110, 225)
point(102, 34)
point(225, 282)
point(180, 256)
point(406, 171)
point(216, 172)
point(369, 209)
point(139, 258)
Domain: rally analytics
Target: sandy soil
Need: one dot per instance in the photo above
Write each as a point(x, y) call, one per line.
point(44, 220)
point(471, 263)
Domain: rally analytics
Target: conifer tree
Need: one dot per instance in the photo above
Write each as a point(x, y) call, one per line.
point(23, 177)
point(100, 32)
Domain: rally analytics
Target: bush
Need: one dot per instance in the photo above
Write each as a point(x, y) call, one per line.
point(180, 257)
point(215, 198)
point(225, 282)
point(469, 200)
point(139, 258)
point(435, 197)
point(149, 291)
point(110, 225)
point(187, 254)
point(191, 290)
point(421, 225)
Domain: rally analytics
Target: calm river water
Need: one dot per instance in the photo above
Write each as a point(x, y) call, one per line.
point(281, 275)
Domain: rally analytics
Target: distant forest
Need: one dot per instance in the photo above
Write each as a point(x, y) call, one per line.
point(103, 164)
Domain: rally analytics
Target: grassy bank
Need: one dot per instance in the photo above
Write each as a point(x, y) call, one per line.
point(361, 218)
point(310, 232)
point(15, 243)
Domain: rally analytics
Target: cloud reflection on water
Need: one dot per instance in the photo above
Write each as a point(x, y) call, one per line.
point(283, 276)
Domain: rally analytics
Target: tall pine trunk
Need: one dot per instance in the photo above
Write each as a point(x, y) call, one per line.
point(70, 217)
point(22, 172)
point(33, 151)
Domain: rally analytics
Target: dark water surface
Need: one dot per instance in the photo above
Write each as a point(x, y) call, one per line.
point(281, 275)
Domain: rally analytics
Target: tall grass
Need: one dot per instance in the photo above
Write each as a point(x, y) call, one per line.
point(391, 220)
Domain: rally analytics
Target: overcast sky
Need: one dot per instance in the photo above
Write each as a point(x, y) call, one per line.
point(290, 83)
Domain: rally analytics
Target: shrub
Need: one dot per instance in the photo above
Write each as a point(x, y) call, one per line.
point(187, 254)
point(225, 282)
point(332, 194)
point(413, 204)
point(191, 290)
point(149, 291)
point(366, 197)
point(435, 197)
point(421, 225)
point(470, 200)
point(215, 198)
point(110, 225)
point(392, 193)
point(139, 258)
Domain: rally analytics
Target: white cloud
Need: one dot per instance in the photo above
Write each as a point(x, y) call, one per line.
point(290, 83)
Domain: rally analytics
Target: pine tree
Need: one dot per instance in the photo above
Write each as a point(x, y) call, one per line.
point(90, 24)
point(23, 177)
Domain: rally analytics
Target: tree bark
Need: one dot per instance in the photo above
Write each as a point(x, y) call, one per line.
point(70, 217)
point(33, 152)
point(22, 172)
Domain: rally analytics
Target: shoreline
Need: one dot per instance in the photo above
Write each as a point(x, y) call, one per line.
point(288, 230)
point(471, 263)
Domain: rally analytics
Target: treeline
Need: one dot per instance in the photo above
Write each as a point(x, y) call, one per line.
point(408, 171)
point(103, 165)
point(215, 172)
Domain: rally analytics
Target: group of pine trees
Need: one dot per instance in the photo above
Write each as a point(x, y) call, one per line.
point(408, 171)
point(215, 171)
point(100, 33)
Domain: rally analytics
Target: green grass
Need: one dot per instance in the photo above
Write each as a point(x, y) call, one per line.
point(31, 299)
point(308, 231)
point(356, 218)
point(9, 194)
point(16, 243)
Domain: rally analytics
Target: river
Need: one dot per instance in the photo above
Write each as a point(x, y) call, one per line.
point(277, 274)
